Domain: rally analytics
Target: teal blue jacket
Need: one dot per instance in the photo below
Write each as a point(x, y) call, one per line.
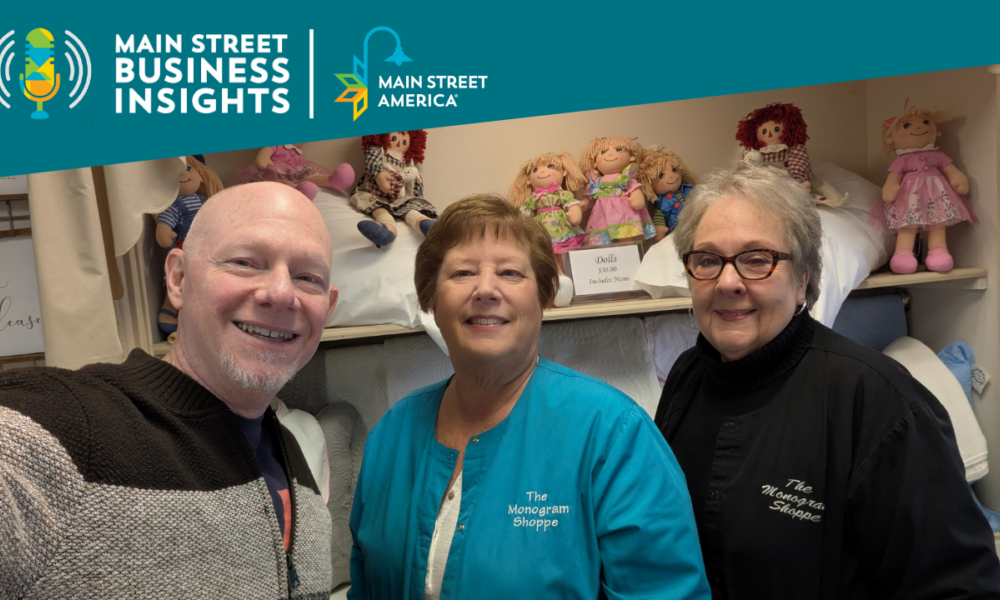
point(574, 495)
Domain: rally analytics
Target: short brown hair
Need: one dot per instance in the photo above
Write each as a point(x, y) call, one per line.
point(474, 217)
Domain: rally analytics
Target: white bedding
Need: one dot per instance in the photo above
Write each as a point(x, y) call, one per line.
point(376, 284)
point(851, 248)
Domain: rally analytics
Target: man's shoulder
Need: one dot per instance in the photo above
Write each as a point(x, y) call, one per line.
point(44, 391)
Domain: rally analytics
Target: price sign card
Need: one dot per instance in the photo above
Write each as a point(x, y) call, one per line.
point(605, 269)
point(13, 185)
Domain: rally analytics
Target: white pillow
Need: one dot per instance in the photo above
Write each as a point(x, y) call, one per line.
point(661, 272)
point(375, 284)
point(309, 435)
point(928, 369)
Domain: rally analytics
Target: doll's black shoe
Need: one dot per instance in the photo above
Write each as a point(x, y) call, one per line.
point(425, 225)
point(376, 233)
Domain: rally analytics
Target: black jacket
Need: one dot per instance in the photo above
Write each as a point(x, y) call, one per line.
point(845, 483)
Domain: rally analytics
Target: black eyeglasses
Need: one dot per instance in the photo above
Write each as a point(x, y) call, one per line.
point(754, 264)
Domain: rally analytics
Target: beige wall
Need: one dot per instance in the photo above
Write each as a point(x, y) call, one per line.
point(942, 316)
point(484, 157)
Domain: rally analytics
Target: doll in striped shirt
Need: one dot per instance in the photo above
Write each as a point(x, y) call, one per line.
point(666, 183)
point(197, 182)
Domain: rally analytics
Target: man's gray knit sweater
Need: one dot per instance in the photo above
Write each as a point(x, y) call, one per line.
point(133, 481)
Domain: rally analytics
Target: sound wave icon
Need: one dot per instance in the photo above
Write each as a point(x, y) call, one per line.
point(42, 48)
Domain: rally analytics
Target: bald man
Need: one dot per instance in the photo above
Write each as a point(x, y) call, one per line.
point(173, 478)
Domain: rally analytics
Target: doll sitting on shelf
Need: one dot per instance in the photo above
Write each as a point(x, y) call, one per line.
point(922, 192)
point(391, 187)
point(543, 189)
point(775, 136)
point(619, 212)
point(286, 164)
point(198, 182)
point(666, 182)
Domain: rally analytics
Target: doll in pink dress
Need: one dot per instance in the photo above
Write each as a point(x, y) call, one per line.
point(619, 212)
point(922, 191)
point(544, 189)
point(286, 164)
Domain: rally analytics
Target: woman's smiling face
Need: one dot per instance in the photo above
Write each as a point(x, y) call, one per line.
point(738, 316)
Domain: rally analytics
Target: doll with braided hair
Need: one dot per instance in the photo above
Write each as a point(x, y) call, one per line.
point(619, 212)
point(391, 187)
point(666, 182)
point(543, 189)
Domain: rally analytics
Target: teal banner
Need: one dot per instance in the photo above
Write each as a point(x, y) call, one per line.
point(85, 84)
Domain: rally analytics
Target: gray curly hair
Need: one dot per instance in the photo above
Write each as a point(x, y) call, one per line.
point(772, 193)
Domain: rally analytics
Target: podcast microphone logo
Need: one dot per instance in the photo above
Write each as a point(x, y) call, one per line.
point(40, 82)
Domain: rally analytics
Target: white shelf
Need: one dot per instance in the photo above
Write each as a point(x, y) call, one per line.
point(969, 278)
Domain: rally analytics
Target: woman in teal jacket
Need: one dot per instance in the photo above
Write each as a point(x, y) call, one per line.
point(516, 478)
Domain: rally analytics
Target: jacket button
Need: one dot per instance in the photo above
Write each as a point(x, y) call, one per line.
point(475, 440)
point(461, 527)
point(451, 495)
point(714, 493)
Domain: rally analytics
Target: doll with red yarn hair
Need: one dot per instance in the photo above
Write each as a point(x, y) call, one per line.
point(775, 136)
point(391, 187)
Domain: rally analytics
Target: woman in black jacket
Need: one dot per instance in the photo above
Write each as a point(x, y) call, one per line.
point(817, 468)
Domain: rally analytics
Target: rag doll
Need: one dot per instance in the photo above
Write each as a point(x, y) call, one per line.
point(198, 182)
point(391, 187)
point(286, 164)
point(775, 136)
point(666, 182)
point(619, 212)
point(544, 189)
point(921, 191)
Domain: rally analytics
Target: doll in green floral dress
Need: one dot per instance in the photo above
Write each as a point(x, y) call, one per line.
point(544, 189)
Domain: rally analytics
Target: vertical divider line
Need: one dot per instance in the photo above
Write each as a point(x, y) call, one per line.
point(312, 89)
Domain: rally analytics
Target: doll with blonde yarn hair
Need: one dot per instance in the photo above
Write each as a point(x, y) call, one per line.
point(543, 189)
point(666, 182)
point(922, 191)
point(619, 212)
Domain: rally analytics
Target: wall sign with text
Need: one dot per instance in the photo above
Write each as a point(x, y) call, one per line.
point(20, 315)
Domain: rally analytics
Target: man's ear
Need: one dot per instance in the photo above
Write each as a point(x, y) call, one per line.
point(174, 270)
point(334, 295)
